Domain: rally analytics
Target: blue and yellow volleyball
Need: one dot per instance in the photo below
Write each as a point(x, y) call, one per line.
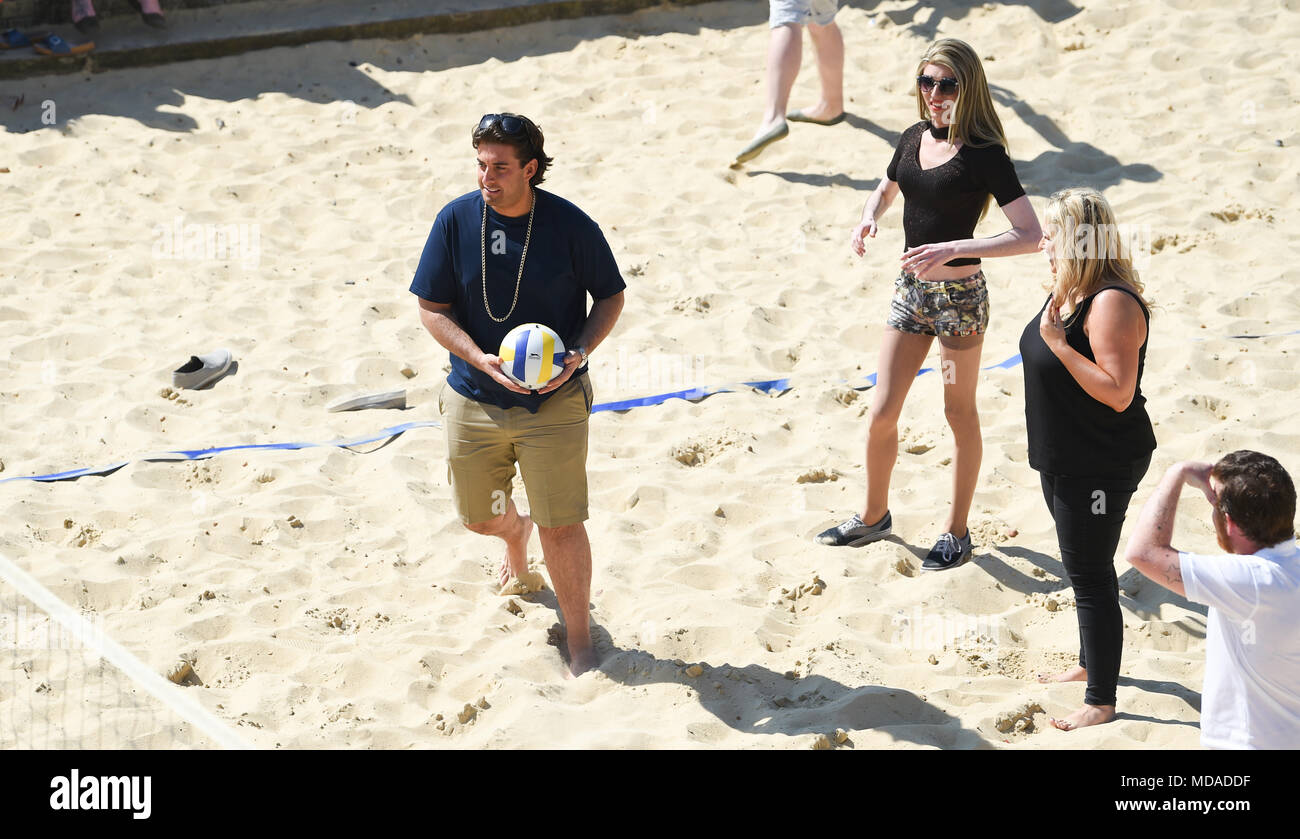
point(532, 355)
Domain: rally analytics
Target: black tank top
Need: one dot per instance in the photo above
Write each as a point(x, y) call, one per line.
point(1070, 433)
point(943, 204)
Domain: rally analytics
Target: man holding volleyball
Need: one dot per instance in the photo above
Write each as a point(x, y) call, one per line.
point(501, 256)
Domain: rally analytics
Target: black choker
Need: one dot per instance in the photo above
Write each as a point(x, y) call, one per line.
point(939, 133)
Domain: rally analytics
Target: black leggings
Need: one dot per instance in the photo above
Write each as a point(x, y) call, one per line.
point(1089, 514)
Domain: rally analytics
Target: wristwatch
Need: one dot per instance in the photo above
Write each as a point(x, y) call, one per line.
point(582, 351)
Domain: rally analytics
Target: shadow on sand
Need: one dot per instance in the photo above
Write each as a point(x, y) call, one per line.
point(338, 72)
point(1068, 164)
point(752, 699)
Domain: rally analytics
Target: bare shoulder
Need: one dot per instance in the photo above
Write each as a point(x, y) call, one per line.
point(1117, 303)
point(1118, 313)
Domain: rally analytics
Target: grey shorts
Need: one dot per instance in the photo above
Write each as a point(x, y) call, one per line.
point(820, 12)
point(951, 308)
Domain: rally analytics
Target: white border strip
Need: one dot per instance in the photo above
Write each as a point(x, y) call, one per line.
point(162, 689)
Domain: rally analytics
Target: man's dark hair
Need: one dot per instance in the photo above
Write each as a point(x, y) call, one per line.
point(1258, 495)
point(528, 143)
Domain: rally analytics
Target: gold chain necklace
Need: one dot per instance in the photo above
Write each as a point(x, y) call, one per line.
point(483, 257)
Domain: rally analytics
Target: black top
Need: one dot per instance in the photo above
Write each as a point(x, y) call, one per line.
point(568, 259)
point(943, 204)
point(1070, 433)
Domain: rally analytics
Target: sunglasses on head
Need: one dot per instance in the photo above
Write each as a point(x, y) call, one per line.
point(946, 85)
point(510, 125)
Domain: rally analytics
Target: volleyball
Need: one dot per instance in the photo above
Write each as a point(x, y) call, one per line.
point(532, 355)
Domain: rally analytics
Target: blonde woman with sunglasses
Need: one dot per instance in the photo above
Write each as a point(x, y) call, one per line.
point(948, 167)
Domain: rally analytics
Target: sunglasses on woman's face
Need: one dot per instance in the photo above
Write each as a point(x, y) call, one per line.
point(947, 85)
point(510, 125)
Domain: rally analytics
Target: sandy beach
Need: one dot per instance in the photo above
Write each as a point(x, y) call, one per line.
point(330, 598)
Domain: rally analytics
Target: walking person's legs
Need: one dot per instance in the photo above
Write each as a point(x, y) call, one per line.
point(552, 450)
point(481, 470)
point(786, 20)
point(828, 42)
point(784, 55)
point(513, 528)
point(567, 553)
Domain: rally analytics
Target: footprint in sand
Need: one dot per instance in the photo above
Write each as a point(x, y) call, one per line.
point(788, 598)
point(1020, 720)
point(465, 716)
point(700, 451)
point(819, 475)
point(1236, 212)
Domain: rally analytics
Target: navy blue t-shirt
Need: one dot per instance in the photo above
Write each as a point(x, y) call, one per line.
point(568, 258)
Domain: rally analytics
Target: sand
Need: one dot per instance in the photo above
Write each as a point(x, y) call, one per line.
point(331, 599)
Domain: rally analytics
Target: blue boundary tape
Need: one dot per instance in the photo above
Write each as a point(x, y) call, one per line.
point(389, 433)
point(766, 386)
point(690, 395)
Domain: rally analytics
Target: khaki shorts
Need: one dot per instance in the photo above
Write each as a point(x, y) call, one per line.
point(484, 442)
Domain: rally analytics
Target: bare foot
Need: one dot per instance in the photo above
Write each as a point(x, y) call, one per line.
point(1074, 674)
point(515, 562)
point(582, 660)
point(1086, 716)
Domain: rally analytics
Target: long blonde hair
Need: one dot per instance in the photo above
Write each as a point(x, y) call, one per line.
point(973, 122)
point(1090, 249)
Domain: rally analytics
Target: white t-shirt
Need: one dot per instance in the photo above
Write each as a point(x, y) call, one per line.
point(1251, 697)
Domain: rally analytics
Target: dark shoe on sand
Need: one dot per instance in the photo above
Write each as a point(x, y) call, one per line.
point(948, 552)
point(854, 533)
point(755, 148)
point(800, 116)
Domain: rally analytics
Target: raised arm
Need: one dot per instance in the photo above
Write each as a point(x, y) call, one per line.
point(1149, 549)
point(1116, 329)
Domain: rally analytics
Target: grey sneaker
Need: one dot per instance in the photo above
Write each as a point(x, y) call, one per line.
point(948, 552)
point(854, 534)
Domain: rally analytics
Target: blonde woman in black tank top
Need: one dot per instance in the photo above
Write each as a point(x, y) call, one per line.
point(949, 168)
point(1089, 434)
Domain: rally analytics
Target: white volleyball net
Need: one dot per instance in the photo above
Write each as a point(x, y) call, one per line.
point(64, 684)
